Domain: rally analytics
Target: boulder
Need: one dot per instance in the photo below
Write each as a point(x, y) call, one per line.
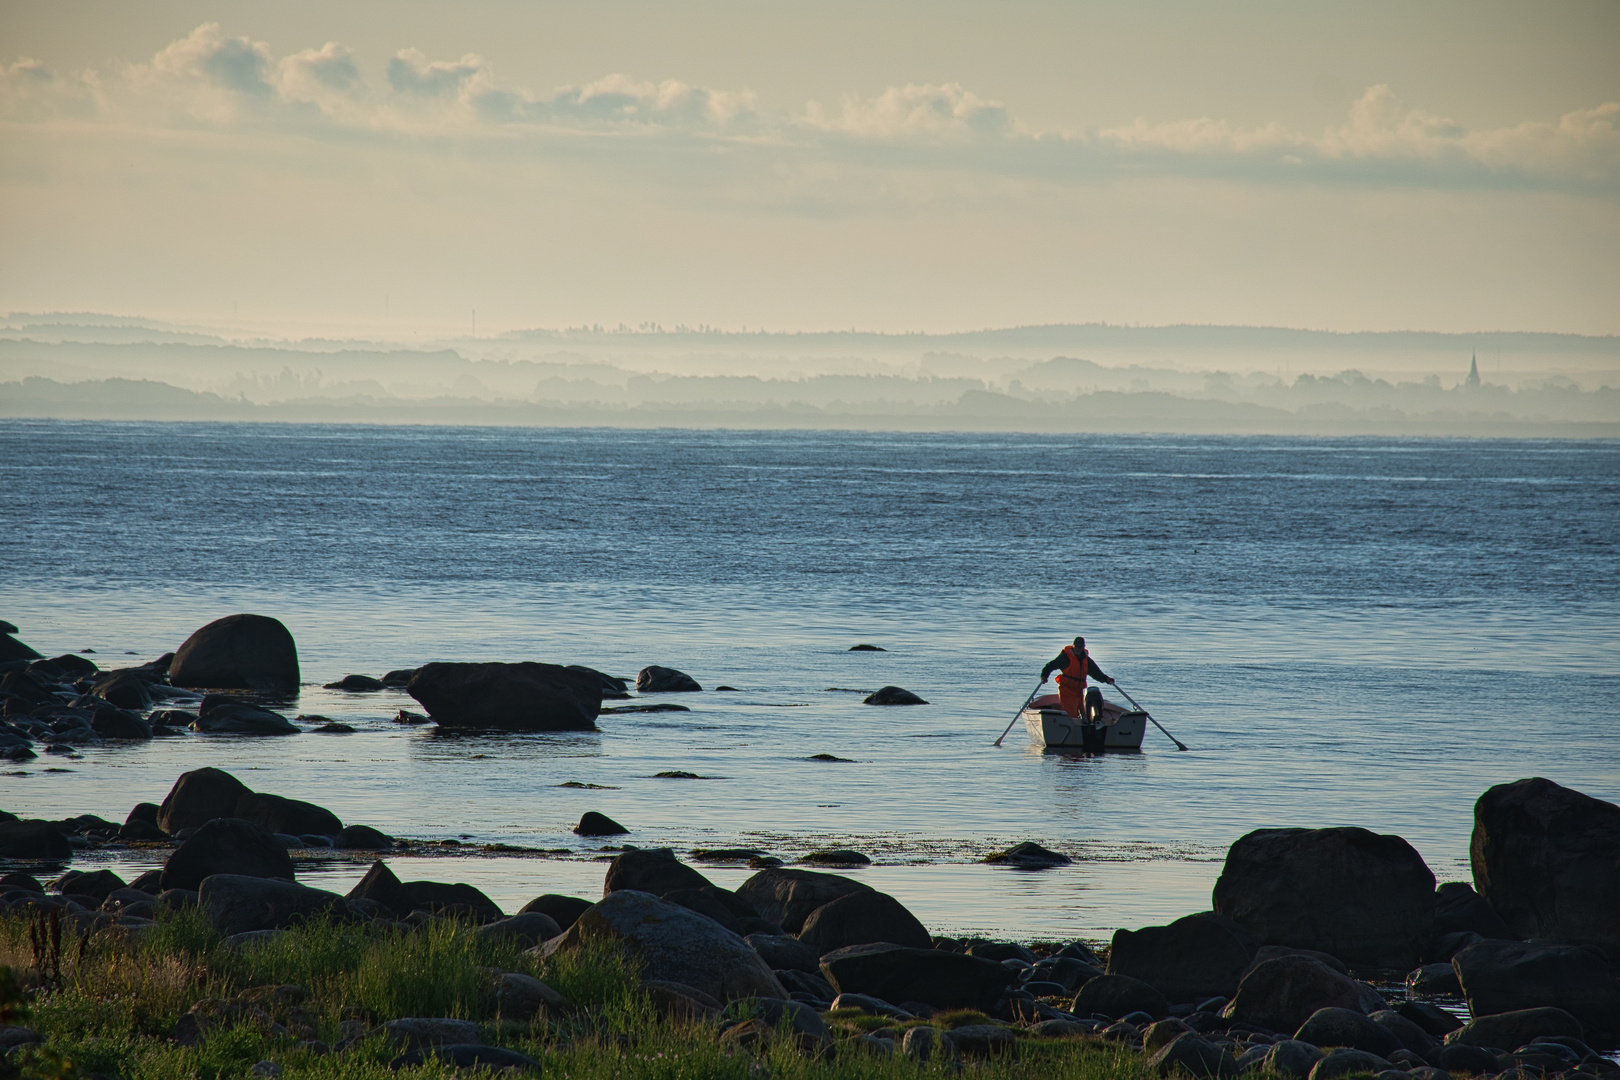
point(664, 680)
point(356, 684)
point(945, 980)
point(238, 652)
point(99, 884)
point(798, 1018)
point(1195, 957)
point(708, 901)
point(652, 870)
point(1347, 1027)
point(523, 997)
point(226, 846)
point(415, 1032)
point(1281, 994)
point(33, 839)
point(237, 904)
point(1272, 952)
point(218, 715)
point(1433, 980)
point(1115, 996)
point(1465, 1058)
point(674, 944)
point(1194, 1055)
point(1347, 1062)
point(562, 909)
point(123, 688)
point(398, 677)
point(528, 929)
point(782, 952)
point(787, 897)
point(1506, 976)
point(116, 723)
point(1367, 899)
point(1459, 909)
point(1435, 1021)
point(362, 838)
point(11, 648)
point(860, 918)
point(1409, 1034)
point(1547, 858)
point(478, 1056)
point(981, 1041)
point(593, 824)
point(893, 695)
point(511, 697)
point(1291, 1059)
point(199, 797)
point(454, 897)
point(1510, 1030)
point(381, 886)
point(281, 815)
point(1028, 856)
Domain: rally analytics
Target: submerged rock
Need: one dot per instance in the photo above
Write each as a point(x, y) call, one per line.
point(357, 684)
point(664, 680)
point(893, 695)
point(1028, 856)
point(238, 652)
point(593, 824)
point(218, 715)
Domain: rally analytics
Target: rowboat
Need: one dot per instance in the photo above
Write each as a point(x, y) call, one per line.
point(1049, 726)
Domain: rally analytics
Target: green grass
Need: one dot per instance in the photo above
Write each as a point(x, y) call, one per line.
point(119, 1000)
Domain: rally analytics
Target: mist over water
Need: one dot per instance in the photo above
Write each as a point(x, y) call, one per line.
point(1356, 631)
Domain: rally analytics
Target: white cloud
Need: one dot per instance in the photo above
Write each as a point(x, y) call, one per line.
point(228, 63)
point(914, 110)
point(410, 72)
point(324, 76)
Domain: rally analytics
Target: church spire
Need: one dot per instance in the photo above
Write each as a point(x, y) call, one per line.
point(1473, 372)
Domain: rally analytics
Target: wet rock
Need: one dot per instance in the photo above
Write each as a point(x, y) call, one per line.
point(1028, 856)
point(1459, 909)
point(379, 885)
point(563, 910)
point(1433, 980)
point(860, 918)
point(779, 951)
point(10, 647)
point(405, 716)
point(238, 652)
point(357, 684)
point(1506, 976)
point(836, 857)
point(1347, 1027)
point(1435, 1021)
point(1365, 898)
point(593, 824)
point(235, 904)
point(893, 695)
point(1291, 1059)
point(226, 846)
point(511, 697)
point(1547, 858)
point(673, 943)
point(1282, 993)
point(529, 929)
point(398, 677)
point(1345, 1062)
point(218, 715)
point(663, 706)
point(652, 870)
point(611, 686)
point(866, 648)
point(942, 979)
point(664, 680)
point(123, 688)
point(362, 838)
point(1193, 958)
point(1117, 995)
point(787, 897)
point(199, 797)
point(1510, 1029)
point(33, 839)
point(1194, 1055)
point(284, 815)
point(332, 727)
point(523, 997)
point(1070, 973)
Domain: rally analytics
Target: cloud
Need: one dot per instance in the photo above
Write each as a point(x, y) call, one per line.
point(320, 76)
point(914, 110)
point(410, 72)
point(228, 63)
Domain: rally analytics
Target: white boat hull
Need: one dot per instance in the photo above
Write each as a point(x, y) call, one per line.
point(1050, 726)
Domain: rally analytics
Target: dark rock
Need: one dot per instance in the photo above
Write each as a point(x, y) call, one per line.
point(1506, 976)
point(1193, 958)
point(1347, 1027)
point(663, 706)
point(1347, 1062)
point(1445, 946)
point(1365, 898)
point(238, 652)
point(357, 684)
point(866, 648)
point(1000, 951)
point(1459, 909)
point(1194, 1055)
point(116, 723)
point(528, 929)
point(777, 1013)
point(1435, 1021)
point(1116, 995)
point(942, 979)
point(99, 884)
point(610, 685)
point(467, 1056)
point(149, 882)
point(332, 728)
point(652, 870)
point(836, 857)
point(416, 1032)
point(398, 677)
point(983, 1041)
point(893, 695)
point(564, 910)
point(1291, 1059)
point(381, 886)
point(523, 997)
point(1281, 994)
point(1507, 1030)
point(1410, 1035)
point(237, 904)
point(122, 688)
point(405, 716)
point(830, 757)
point(12, 649)
point(663, 680)
point(219, 715)
point(74, 666)
point(284, 815)
point(512, 697)
point(457, 897)
point(144, 812)
point(20, 879)
point(1433, 980)
point(672, 943)
point(707, 901)
point(1070, 973)
point(33, 839)
point(1157, 1036)
point(811, 985)
point(1028, 856)
point(170, 718)
point(676, 774)
point(860, 918)
point(1272, 952)
point(593, 824)
point(780, 952)
point(1547, 858)
point(1465, 1058)
point(787, 897)
point(226, 846)
point(362, 838)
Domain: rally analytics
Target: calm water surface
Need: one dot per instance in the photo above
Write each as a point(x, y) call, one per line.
point(1360, 631)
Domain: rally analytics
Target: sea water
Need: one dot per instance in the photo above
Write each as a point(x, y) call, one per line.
point(1344, 631)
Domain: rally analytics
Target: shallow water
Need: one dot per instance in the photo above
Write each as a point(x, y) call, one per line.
point(1362, 631)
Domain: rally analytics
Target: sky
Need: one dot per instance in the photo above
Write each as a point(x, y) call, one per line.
point(392, 167)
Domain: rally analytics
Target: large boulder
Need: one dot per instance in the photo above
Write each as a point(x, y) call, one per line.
point(1115, 996)
point(652, 870)
point(1511, 1030)
point(381, 886)
point(290, 816)
point(1458, 909)
point(456, 897)
point(673, 944)
point(10, 647)
point(226, 846)
point(513, 697)
point(892, 695)
point(1282, 993)
point(787, 897)
point(945, 980)
point(236, 904)
point(665, 680)
point(1548, 859)
point(199, 797)
point(33, 839)
point(238, 652)
point(1193, 1055)
point(1195, 957)
point(1367, 899)
point(1506, 976)
point(860, 918)
point(1347, 1027)
point(123, 688)
point(563, 909)
point(219, 715)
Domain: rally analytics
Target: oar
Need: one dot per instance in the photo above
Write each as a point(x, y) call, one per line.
point(1179, 744)
point(1020, 711)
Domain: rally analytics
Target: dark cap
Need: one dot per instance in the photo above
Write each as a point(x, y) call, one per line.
point(1080, 642)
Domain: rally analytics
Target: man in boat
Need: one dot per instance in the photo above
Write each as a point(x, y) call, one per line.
point(1073, 664)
